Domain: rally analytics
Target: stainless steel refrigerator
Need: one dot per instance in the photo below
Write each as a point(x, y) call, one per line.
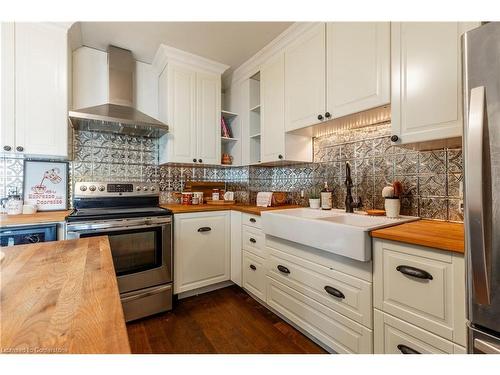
point(481, 66)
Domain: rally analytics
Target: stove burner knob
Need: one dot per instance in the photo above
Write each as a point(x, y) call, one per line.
point(138, 188)
point(92, 188)
point(102, 188)
point(153, 188)
point(83, 188)
point(145, 188)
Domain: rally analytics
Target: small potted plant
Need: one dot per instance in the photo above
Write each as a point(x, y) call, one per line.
point(314, 200)
point(392, 202)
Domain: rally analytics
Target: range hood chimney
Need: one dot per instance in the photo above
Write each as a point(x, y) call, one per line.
point(118, 115)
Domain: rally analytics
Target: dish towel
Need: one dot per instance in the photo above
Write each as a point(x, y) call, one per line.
point(264, 199)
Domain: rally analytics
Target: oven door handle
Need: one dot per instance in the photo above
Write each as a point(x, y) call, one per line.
point(118, 224)
point(72, 234)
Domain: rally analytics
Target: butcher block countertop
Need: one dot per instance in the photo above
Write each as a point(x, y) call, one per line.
point(436, 234)
point(249, 209)
point(36, 218)
point(61, 297)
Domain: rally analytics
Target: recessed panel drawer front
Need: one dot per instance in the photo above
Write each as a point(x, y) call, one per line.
point(333, 329)
point(254, 275)
point(345, 294)
point(251, 220)
point(395, 336)
point(253, 240)
point(416, 287)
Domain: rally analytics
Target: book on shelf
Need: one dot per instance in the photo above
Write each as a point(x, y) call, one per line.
point(225, 129)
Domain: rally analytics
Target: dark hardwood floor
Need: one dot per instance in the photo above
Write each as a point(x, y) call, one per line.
point(226, 321)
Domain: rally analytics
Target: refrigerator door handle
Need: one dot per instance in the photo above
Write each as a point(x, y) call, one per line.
point(474, 196)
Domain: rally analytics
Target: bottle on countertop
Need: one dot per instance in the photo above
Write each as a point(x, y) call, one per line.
point(326, 197)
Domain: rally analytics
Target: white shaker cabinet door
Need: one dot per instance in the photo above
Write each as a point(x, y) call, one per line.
point(177, 108)
point(272, 81)
point(201, 250)
point(208, 118)
point(305, 79)
point(426, 80)
point(7, 86)
point(41, 53)
point(358, 66)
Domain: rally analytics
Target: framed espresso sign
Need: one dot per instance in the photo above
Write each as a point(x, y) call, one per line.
point(46, 184)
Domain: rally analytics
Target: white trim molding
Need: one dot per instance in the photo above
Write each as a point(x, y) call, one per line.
point(166, 54)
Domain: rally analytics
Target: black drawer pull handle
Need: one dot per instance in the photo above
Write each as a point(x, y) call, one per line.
point(334, 292)
point(415, 272)
point(253, 267)
point(252, 240)
point(407, 350)
point(252, 220)
point(283, 269)
point(204, 229)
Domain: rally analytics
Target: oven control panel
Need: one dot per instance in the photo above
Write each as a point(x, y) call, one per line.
point(110, 189)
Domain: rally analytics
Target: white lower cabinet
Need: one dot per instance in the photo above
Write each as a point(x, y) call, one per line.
point(395, 336)
point(201, 250)
point(333, 329)
point(254, 275)
point(422, 286)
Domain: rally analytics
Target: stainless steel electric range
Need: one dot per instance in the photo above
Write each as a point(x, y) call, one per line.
point(140, 235)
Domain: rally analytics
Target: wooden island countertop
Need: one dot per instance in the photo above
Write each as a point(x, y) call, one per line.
point(61, 297)
point(435, 234)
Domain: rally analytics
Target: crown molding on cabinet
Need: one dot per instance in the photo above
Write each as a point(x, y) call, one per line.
point(166, 54)
point(252, 65)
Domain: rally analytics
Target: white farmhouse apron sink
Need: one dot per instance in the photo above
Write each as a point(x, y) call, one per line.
point(334, 231)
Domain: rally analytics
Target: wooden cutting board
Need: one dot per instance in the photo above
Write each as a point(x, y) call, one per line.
point(205, 187)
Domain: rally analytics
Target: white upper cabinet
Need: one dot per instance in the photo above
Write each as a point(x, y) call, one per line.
point(35, 62)
point(426, 80)
point(358, 66)
point(189, 101)
point(208, 113)
point(276, 144)
point(305, 77)
point(177, 104)
point(272, 80)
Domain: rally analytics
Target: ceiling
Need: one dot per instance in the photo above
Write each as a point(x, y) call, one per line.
point(231, 43)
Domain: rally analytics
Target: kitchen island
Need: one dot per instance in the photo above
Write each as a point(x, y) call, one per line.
point(61, 297)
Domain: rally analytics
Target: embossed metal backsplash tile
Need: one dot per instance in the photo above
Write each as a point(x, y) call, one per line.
point(112, 157)
point(11, 175)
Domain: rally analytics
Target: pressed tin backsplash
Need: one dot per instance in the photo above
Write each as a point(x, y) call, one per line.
point(431, 179)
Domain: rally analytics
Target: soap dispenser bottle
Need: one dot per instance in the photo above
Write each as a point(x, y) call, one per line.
point(326, 198)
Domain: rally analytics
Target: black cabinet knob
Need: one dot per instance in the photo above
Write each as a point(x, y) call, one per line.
point(328, 115)
point(199, 160)
point(280, 156)
point(252, 240)
point(7, 148)
point(253, 267)
point(20, 148)
point(204, 229)
point(194, 160)
point(394, 138)
point(320, 117)
point(252, 220)
point(406, 349)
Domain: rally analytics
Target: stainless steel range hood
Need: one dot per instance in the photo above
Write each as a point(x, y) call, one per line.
point(118, 115)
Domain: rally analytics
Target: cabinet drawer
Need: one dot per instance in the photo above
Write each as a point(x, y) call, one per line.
point(251, 220)
point(333, 329)
point(254, 275)
point(253, 240)
point(345, 294)
point(421, 286)
point(395, 336)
